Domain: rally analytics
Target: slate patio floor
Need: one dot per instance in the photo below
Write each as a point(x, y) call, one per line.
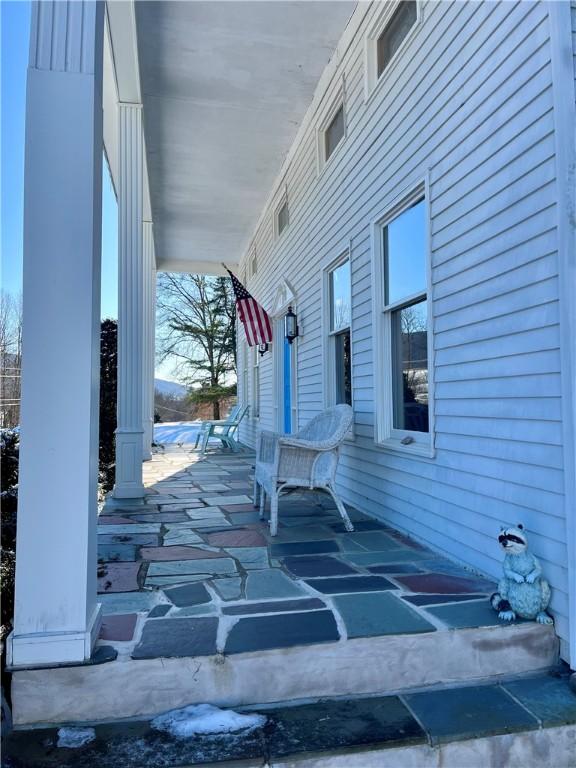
point(193, 571)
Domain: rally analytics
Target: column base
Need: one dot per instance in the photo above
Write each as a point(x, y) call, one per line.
point(129, 464)
point(148, 439)
point(48, 649)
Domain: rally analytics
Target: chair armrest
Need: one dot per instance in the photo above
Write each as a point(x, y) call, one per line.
point(266, 445)
point(309, 445)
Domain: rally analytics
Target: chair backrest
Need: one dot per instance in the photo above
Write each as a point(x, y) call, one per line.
point(232, 416)
point(330, 427)
point(242, 411)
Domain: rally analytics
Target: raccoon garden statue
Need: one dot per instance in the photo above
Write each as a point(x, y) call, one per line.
point(522, 591)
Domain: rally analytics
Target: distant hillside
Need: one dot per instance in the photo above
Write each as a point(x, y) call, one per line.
point(170, 388)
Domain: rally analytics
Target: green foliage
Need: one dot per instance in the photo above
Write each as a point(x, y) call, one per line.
point(108, 391)
point(212, 394)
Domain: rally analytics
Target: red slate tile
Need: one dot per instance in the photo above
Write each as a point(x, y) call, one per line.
point(114, 520)
point(118, 577)
point(441, 584)
point(177, 553)
point(241, 538)
point(120, 627)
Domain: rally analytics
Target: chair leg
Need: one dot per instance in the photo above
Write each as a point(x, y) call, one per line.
point(262, 503)
point(274, 513)
point(255, 497)
point(205, 439)
point(341, 508)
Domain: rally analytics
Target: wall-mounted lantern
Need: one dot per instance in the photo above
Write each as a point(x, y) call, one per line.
point(290, 326)
point(262, 349)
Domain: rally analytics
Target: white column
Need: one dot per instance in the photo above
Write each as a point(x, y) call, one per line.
point(57, 617)
point(130, 305)
point(149, 342)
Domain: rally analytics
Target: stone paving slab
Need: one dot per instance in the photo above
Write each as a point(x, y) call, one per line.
point(190, 594)
point(317, 565)
point(206, 565)
point(379, 613)
point(259, 633)
point(116, 553)
point(548, 698)
point(118, 577)
point(351, 584)
point(274, 606)
point(118, 627)
point(173, 637)
point(471, 712)
point(178, 553)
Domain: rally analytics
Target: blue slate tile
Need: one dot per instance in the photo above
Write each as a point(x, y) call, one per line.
point(395, 568)
point(271, 584)
point(348, 584)
point(158, 611)
point(438, 599)
point(374, 541)
point(274, 606)
point(548, 698)
point(366, 559)
point(285, 630)
point(332, 725)
point(379, 613)
point(172, 637)
point(116, 553)
point(476, 614)
point(311, 565)
point(188, 594)
point(467, 713)
point(303, 548)
point(361, 525)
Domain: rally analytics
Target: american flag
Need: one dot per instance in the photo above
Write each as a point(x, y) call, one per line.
point(256, 322)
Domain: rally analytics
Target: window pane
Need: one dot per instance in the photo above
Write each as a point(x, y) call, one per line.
point(343, 368)
point(391, 39)
point(334, 132)
point(340, 293)
point(283, 219)
point(410, 367)
point(405, 254)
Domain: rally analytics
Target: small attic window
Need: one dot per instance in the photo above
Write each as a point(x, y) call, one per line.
point(402, 21)
point(282, 218)
point(253, 264)
point(334, 133)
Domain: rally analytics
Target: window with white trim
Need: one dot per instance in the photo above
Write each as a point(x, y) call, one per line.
point(255, 388)
point(282, 217)
point(339, 362)
point(334, 132)
point(403, 372)
point(253, 263)
point(393, 26)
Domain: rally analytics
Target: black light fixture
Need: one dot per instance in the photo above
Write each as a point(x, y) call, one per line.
point(290, 326)
point(262, 349)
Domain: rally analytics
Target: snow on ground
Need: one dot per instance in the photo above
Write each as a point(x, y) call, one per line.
point(203, 719)
point(172, 432)
point(72, 738)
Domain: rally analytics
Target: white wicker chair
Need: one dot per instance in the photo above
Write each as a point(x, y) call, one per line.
point(307, 459)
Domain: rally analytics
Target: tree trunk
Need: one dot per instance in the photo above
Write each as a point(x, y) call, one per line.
point(216, 409)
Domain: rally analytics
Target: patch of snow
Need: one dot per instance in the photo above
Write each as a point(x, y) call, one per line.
point(205, 719)
point(174, 432)
point(72, 738)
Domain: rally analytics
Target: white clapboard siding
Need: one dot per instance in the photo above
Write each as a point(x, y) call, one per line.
point(468, 104)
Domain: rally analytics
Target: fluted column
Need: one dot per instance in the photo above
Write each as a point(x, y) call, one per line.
point(130, 305)
point(149, 342)
point(57, 616)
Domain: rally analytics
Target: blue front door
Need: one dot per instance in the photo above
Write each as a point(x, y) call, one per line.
point(287, 367)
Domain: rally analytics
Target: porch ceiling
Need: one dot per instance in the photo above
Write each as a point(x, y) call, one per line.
point(225, 86)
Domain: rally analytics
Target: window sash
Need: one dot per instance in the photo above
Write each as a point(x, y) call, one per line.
point(342, 359)
point(394, 34)
point(283, 218)
point(334, 133)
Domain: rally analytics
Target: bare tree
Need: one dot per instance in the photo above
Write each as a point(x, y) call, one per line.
point(196, 321)
point(10, 358)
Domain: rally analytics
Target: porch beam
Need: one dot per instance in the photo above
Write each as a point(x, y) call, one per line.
point(129, 433)
point(57, 617)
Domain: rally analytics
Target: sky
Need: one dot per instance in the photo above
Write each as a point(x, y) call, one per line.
point(15, 30)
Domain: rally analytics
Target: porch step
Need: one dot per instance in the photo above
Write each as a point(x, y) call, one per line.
point(128, 687)
point(528, 721)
